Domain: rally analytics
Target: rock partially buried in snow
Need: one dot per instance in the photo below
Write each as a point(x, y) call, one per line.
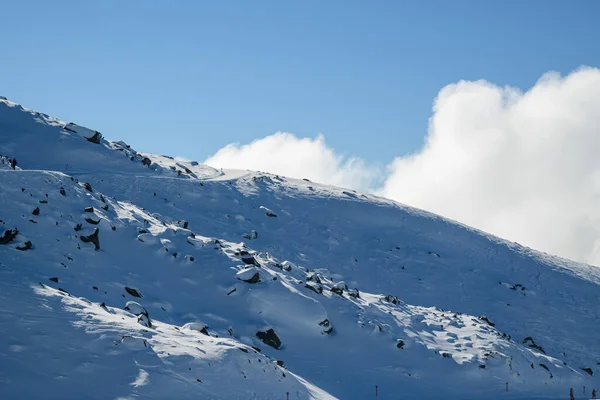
point(132, 291)
point(134, 343)
point(8, 236)
point(269, 338)
point(135, 308)
point(93, 238)
point(339, 288)
point(196, 326)
point(25, 246)
point(249, 275)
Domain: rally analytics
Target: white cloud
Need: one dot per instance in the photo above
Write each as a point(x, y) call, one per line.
point(287, 155)
point(523, 166)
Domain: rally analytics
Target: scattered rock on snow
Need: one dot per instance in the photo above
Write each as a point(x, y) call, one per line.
point(248, 275)
point(588, 370)
point(269, 338)
point(8, 236)
point(146, 161)
point(89, 209)
point(54, 279)
point(92, 221)
point(327, 325)
point(36, 211)
point(315, 287)
point(133, 292)
point(93, 238)
point(485, 319)
point(25, 246)
point(339, 288)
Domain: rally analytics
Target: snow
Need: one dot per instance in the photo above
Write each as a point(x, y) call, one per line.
point(421, 305)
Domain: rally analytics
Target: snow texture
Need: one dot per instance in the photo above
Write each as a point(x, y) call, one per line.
point(186, 282)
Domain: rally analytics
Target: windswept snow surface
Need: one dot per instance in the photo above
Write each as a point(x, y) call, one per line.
point(242, 285)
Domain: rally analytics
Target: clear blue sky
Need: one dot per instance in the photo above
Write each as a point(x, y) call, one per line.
point(187, 77)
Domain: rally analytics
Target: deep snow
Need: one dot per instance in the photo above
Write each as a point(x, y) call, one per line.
point(421, 306)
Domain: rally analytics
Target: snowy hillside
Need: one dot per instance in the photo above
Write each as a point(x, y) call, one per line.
point(129, 275)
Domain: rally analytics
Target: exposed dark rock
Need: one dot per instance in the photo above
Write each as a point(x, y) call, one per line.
point(255, 278)
point(391, 299)
point(33, 221)
point(250, 261)
point(486, 319)
point(133, 292)
point(434, 254)
point(231, 291)
point(92, 221)
point(89, 209)
point(269, 338)
point(95, 287)
point(93, 238)
point(446, 355)
point(97, 138)
point(280, 363)
point(327, 325)
point(482, 366)
point(146, 161)
point(354, 293)
point(588, 370)
point(531, 343)
point(88, 187)
point(105, 207)
point(271, 214)
point(62, 191)
point(36, 211)
point(544, 366)
point(54, 279)
point(339, 288)
point(315, 287)
point(43, 201)
point(400, 344)
point(25, 246)
point(256, 349)
point(8, 236)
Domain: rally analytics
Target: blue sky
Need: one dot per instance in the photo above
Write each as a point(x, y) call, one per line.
point(188, 77)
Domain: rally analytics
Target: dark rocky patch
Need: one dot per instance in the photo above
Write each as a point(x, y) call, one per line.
point(88, 187)
point(43, 201)
point(89, 209)
point(8, 236)
point(271, 214)
point(400, 344)
point(314, 287)
point(78, 227)
point(146, 161)
point(93, 238)
point(391, 299)
point(54, 279)
point(269, 338)
point(133, 292)
point(97, 138)
point(62, 191)
point(36, 211)
point(92, 221)
point(588, 370)
point(531, 343)
point(486, 320)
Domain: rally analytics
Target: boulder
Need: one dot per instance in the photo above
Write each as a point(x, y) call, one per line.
point(327, 327)
point(133, 292)
point(8, 236)
point(92, 221)
point(36, 211)
point(269, 338)
point(135, 308)
point(89, 209)
point(354, 293)
point(400, 344)
point(25, 246)
point(339, 288)
point(588, 370)
point(88, 187)
point(144, 319)
point(315, 287)
point(248, 275)
point(391, 299)
point(93, 238)
point(146, 161)
point(96, 138)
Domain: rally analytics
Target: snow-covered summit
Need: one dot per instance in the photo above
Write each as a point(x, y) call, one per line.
point(129, 274)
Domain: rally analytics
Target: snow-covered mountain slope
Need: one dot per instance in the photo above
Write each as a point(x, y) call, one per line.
point(133, 275)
